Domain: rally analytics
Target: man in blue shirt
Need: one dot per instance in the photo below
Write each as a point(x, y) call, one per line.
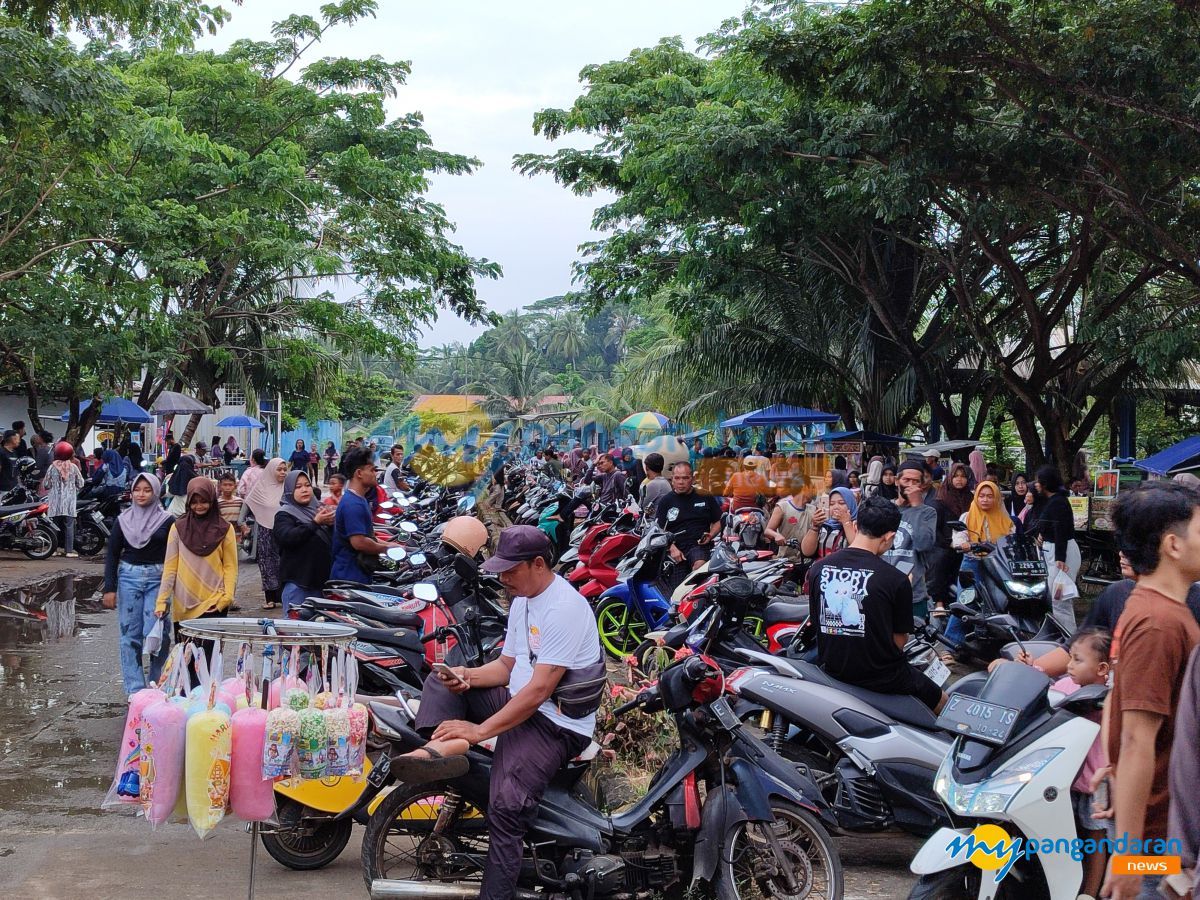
point(353, 529)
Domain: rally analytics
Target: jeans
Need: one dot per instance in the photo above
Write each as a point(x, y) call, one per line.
point(954, 626)
point(137, 589)
point(1150, 885)
point(294, 594)
point(66, 524)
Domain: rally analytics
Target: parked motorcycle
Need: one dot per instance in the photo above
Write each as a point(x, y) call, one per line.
point(755, 832)
point(27, 527)
point(1012, 763)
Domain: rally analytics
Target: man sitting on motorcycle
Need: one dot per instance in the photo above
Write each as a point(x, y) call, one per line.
point(551, 633)
point(695, 518)
point(865, 611)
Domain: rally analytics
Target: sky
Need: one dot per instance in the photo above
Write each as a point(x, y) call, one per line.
point(480, 72)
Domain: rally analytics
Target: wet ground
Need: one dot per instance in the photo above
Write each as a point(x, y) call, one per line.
point(62, 710)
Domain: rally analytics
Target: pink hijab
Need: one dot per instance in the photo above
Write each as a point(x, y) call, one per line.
point(978, 465)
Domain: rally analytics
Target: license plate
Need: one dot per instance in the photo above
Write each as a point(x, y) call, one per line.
point(937, 672)
point(989, 722)
point(724, 713)
point(1028, 567)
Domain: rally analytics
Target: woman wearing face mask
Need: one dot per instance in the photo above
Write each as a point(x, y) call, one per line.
point(133, 569)
point(303, 532)
point(200, 569)
point(264, 501)
point(831, 529)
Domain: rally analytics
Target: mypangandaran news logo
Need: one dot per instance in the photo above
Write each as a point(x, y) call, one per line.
point(989, 847)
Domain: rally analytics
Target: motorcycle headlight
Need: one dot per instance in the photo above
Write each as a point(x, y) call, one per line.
point(992, 795)
point(1022, 589)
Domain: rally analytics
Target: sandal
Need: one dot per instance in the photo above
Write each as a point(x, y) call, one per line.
point(435, 767)
point(267, 604)
point(939, 612)
point(948, 658)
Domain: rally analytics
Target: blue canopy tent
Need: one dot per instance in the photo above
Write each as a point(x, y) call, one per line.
point(1176, 458)
point(117, 411)
point(781, 414)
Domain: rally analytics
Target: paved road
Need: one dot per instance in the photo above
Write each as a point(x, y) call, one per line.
point(62, 711)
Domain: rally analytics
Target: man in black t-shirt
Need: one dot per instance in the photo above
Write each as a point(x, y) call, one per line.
point(694, 518)
point(865, 611)
point(8, 460)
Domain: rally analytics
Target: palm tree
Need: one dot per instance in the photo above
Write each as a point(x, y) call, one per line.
point(515, 385)
point(617, 335)
point(565, 336)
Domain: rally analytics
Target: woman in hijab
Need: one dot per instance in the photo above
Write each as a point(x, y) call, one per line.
point(63, 482)
point(231, 450)
point(954, 493)
point(987, 522)
point(258, 465)
point(839, 478)
point(832, 527)
point(200, 568)
point(178, 483)
point(303, 533)
point(1017, 505)
point(135, 461)
point(331, 456)
point(133, 570)
point(263, 500)
point(874, 477)
point(978, 466)
point(887, 484)
point(109, 476)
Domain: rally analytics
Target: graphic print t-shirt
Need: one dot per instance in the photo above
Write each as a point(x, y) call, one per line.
point(862, 601)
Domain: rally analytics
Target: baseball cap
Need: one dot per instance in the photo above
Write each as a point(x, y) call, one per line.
point(518, 544)
point(932, 454)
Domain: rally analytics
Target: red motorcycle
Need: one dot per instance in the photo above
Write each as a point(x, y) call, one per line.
point(26, 527)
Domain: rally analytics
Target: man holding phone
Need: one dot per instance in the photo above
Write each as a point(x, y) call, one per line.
point(694, 518)
point(551, 634)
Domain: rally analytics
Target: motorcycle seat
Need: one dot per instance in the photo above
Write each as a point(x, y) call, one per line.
point(405, 640)
point(17, 507)
point(902, 708)
point(777, 612)
point(393, 617)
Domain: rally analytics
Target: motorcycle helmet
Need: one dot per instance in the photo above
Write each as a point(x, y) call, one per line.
point(64, 451)
point(466, 534)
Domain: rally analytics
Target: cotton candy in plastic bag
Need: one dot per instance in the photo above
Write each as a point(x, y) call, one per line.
point(337, 728)
point(164, 734)
point(126, 785)
point(356, 755)
point(207, 765)
point(251, 796)
point(282, 728)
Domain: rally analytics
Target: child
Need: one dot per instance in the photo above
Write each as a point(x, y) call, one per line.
point(337, 483)
point(1090, 664)
point(229, 503)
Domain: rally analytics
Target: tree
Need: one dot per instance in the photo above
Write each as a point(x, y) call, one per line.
point(168, 22)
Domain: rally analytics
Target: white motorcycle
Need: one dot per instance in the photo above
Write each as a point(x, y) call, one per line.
point(1019, 746)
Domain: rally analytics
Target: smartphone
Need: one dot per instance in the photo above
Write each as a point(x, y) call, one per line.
point(823, 502)
point(444, 670)
point(1100, 798)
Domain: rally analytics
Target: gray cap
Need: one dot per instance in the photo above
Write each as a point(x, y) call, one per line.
point(518, 544)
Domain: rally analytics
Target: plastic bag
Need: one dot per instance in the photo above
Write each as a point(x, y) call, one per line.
point(164, 735)
point(356, 744)
point(209, 747)
point(337, 728)
point(311, 737)
point(286, 681)
point(126, 784)
point(154, 640)
point(251, 796)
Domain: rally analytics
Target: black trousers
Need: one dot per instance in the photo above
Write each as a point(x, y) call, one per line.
point(526, 758)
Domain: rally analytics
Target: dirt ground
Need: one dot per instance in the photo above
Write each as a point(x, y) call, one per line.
point(61, 714)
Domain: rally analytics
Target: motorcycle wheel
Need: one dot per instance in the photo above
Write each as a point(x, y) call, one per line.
point(746, 856)
point(40, 543)
point(962, 883)
point(298, 849)
point(621, 629)
point(399, 841)
point(89, 540)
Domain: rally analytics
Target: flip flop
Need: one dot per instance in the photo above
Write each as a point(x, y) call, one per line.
point(435, 767)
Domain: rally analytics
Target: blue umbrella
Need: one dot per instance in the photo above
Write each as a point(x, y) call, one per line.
point(118, 410)
point(240, 422)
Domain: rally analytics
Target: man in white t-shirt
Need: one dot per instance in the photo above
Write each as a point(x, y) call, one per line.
point(551, 631)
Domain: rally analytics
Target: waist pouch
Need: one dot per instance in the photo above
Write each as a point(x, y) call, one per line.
point(581, 691)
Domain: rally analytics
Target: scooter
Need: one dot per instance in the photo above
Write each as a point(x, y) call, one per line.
point(27, 527)
point(1011, 765)
point(754, 832)
point(638, 602)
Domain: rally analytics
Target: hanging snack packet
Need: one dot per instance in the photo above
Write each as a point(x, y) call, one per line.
point(357, 715)
point(251, 796)
point(164, 733)
point(206, 767)
point(310, 745)
point(126, 785)
point(286, 680)
point(337, 728)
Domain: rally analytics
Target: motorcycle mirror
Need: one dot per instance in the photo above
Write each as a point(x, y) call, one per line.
point(408, 527)
point(417, 559)
point(387, 517)
point(396, 553)
point(467, 503)
point(465, 567)
point(423, 590)
point(388, 504)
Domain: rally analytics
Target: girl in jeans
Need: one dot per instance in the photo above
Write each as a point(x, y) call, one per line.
point(63, 483)
point(133, 571)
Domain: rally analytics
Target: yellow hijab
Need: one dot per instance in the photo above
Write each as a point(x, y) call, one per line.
point(989, 526)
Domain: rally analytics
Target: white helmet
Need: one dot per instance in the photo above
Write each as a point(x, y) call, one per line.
point(466, 534)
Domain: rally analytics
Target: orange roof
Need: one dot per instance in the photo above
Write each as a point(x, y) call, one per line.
point(448, 403)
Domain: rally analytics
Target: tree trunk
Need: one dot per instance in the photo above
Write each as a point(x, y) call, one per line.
point(1031, 441)
point(190, 431)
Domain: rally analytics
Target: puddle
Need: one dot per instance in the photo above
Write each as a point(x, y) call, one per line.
point(45, 611)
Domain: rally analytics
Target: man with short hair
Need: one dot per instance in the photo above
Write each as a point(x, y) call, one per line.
point(22, 448)
point(865, 611)
point(42, 442)
point(1158, 528)
point(8, 460)
point(353, 528)
point(916, 534)
point(694, 518)
point(393, 477)
point(171, 459)
point(655, 487)
point(933, 460)
point(611, 479)
point(551, 633)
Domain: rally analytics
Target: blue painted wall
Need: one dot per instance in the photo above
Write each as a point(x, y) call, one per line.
point(322, 432)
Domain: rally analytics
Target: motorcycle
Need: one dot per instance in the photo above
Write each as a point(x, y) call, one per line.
point(638, 602)
point(1012, 762)
point(756, 830)
point(27, 527)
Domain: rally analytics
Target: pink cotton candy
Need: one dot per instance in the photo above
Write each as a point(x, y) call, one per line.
point(251, 797)
point(127, 781)
point(279, 687)
point(164, 737)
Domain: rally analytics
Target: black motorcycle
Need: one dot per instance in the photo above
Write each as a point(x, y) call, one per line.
point(756, 831)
